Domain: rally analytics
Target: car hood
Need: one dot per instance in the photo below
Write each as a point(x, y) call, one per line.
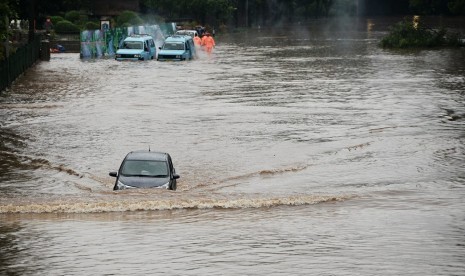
point(143, 181)
point(129, 51)
point(171, 52)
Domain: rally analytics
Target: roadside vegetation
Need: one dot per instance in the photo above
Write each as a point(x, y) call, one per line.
point(70, 17)
point(73, 22)
point(413, 34)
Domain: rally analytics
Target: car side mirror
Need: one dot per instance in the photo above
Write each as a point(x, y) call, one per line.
point(176, 176)
point(114, 174)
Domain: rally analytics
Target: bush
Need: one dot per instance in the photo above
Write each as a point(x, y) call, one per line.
point(409, 34)
point(76, 17)
point(129, 18)
point(66, 27)
point(91, 25)
point(55, 19)
point(73, 16)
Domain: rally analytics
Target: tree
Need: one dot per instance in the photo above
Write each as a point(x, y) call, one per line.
point(128, 18)
point(457, 7)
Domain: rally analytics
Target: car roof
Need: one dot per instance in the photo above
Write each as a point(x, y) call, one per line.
point(178, 38)
point(137, 38)
point(147, 155)
point(186, 31)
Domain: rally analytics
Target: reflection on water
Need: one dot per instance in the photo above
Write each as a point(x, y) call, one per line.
point(301, 151)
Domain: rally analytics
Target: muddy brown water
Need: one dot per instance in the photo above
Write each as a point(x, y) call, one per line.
point(301, 151)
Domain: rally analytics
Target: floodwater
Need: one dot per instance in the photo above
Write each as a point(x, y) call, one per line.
point(306, 151)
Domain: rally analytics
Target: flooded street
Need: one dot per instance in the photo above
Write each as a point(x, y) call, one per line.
point(306, 151)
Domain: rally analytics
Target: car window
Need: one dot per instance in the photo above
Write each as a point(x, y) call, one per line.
point(133, 45)
point(148, 168)
point(173, 46)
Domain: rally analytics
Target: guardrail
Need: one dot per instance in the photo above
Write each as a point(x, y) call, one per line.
point(18, 62)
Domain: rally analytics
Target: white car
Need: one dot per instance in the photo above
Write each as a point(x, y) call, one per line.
point(191, 33)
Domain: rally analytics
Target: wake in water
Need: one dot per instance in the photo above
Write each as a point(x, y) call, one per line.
point(137, 204)
point(96, 195)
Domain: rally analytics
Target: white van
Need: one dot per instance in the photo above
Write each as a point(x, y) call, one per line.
point(136, 47)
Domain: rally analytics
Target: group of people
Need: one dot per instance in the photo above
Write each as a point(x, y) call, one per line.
point(206, 41)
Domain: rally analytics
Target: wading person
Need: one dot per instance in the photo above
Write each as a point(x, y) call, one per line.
point(208, 42)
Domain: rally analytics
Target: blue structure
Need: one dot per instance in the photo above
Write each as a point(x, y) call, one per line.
point(101, 43)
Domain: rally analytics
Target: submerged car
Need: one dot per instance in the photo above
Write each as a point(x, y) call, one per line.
point(136, 47)
point(177, 47)
point(146, 169)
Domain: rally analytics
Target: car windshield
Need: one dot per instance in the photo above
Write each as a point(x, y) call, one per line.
point(148, 168)
point(173, 46)
point(133, 45)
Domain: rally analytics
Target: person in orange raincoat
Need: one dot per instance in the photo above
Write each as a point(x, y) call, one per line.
point(197, 40)
point(208, 42)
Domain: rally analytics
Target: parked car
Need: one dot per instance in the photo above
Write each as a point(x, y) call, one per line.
point(136, 47)
point(177, 47)
point(146, 169)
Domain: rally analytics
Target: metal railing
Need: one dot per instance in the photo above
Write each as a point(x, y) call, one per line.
point(18, 62)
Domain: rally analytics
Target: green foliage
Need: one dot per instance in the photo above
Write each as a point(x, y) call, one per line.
point(91, 25)
point(406, 34)
point(77, 17)
point(73, 16)
point(66, 27)
point(5, 13)
point(55, 19)
point(128, 18)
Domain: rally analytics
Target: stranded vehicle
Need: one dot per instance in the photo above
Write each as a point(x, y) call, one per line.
point(146, 169)
point(136, 47)
point(177, 47)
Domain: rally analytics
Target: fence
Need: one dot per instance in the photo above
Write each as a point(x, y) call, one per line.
point(18, 62)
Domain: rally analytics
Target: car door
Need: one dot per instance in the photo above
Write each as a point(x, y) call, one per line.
point(172, 172)
point(193, 50)
point(188, 50)
point(146, 50)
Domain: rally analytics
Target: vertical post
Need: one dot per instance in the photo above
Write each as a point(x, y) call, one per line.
point(45, 50)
